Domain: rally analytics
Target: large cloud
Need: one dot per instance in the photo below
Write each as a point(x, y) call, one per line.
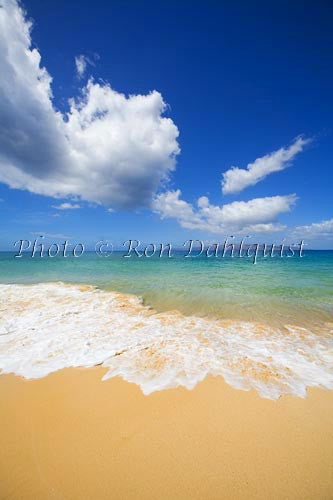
point(108, 148)
point(258, 215)
point(236, 179)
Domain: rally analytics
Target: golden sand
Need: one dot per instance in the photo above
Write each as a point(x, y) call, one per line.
point(71, 436)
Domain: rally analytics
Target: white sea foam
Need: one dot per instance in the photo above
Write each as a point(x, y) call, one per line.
point(46, 327)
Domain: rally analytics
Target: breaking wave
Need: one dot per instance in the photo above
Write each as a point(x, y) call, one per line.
point(50, 326)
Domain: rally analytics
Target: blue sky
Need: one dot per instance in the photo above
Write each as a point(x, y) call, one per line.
point(241, 80)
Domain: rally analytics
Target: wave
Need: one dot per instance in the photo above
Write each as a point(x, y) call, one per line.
point(50, 326)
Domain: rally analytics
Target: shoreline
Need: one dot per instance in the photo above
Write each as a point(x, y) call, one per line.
point(69, 435)
point(61, 325)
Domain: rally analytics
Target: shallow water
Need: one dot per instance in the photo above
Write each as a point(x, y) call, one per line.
point(274, 291)
point(46, 327)
point(267, 326)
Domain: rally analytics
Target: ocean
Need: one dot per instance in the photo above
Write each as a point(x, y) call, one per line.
point(165, 322)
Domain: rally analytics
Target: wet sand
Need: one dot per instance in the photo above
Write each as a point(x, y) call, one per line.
point(71, 436)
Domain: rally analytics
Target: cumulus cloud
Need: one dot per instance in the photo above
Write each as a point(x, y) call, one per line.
point(67, 206)
point(108, 148)
point(258, 215)
point(323, 229)
point(236, 179)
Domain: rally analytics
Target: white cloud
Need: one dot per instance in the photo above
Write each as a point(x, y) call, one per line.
point(81, 62)
point(51, 235)
point(108, 148)
point(269, 227)
point(67, 206)
point(236, 179)
point(258, 215)
point(323, 229)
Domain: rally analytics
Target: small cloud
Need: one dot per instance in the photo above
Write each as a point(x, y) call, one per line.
point(323, 229)
point(51, 235)
point(110, 210)
point(236, 179)
point(66, 206)
point(81, 63)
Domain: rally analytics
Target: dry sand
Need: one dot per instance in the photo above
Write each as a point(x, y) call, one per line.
point(71, 436)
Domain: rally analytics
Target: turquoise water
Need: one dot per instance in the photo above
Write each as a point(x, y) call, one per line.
point(267, 327)
point(275, 291)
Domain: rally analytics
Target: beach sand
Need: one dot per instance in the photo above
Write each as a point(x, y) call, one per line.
point(71, 436)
